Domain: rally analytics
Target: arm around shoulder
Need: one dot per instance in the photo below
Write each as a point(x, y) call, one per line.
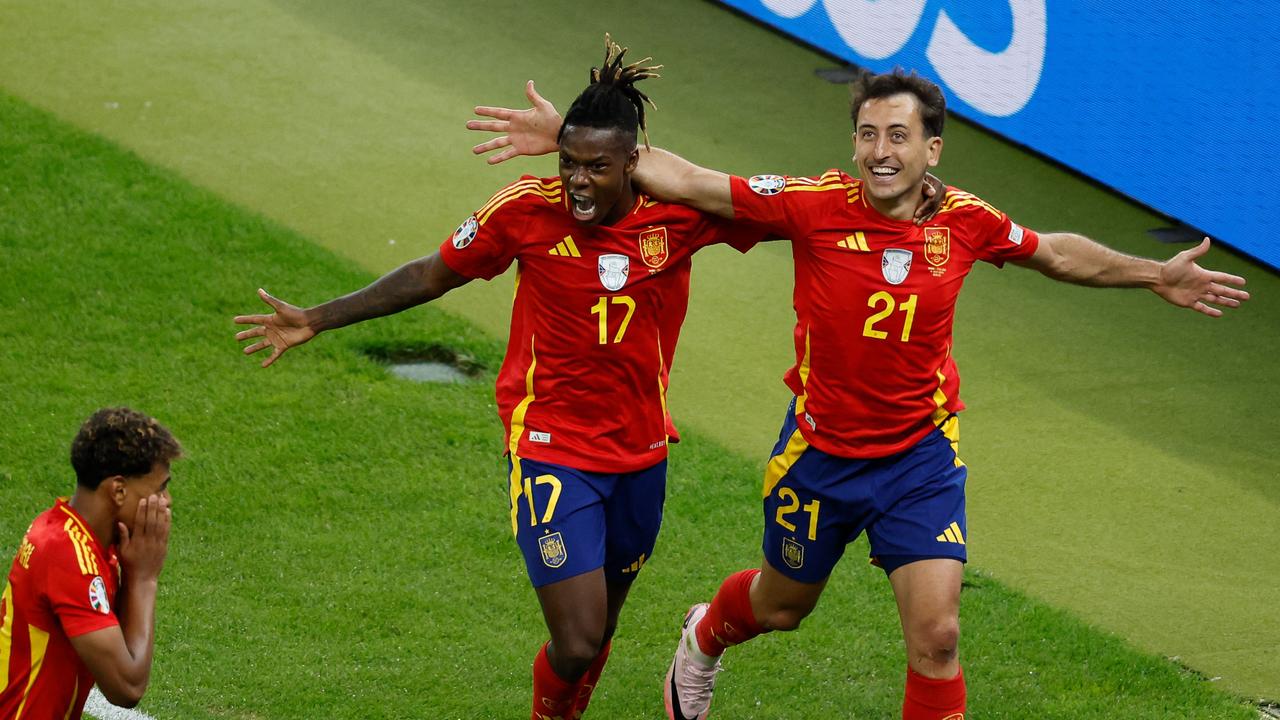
point(670, 178)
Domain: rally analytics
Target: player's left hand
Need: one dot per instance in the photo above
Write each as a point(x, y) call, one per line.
point(1185, 284)
point(528, 132)
point(931, 195)
point(143, 550)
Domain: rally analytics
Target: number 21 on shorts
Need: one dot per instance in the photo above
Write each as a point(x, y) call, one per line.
point(790, 503)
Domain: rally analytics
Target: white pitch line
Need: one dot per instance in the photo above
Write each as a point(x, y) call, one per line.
point(98, 707)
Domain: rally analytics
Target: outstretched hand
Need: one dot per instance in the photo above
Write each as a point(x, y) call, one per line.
point(528, 132)
point(285, 328)
point(1185, 284)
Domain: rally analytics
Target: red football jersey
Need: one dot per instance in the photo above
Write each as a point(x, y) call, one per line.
point(62, 584)
point(874, 299)
point(595, 320)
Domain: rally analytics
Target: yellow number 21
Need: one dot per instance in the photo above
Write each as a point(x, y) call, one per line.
point(885, 299)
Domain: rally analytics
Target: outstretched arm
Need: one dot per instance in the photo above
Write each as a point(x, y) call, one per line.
point(1179, 280)
point(664, 175)
point(411, 284)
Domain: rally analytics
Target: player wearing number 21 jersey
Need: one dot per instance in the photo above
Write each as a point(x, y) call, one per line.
point(594, 323)
point(877, 388)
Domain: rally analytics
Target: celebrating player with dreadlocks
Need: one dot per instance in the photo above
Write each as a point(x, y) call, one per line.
point(601, 292)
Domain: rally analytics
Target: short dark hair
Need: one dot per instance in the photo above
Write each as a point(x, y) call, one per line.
point(612, 100)
point(872, 86)
point(120, 441)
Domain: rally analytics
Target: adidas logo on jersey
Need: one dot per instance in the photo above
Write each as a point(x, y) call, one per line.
point(565, 248)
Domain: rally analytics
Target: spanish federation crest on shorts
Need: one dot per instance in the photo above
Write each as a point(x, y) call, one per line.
point(552, 549)
point(767, 184)
point(613, 271)
point(465, 233)
point(895, 264)
point(792, 553)
point(98, 596)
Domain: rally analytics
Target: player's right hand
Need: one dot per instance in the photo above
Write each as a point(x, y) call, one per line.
point(285, 328)
point(142, 551)
point(528, 132)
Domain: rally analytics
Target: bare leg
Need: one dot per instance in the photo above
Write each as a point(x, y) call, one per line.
point(928, 595)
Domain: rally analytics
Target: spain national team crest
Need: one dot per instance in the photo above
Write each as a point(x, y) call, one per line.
point(653, 247)
point(937, 245)
point(552, 549)
point(792, 553)
point(98, 596)
point(613, 271)
point(895, 264)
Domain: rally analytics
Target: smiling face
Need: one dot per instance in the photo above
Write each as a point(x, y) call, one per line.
point(893, 152)
point(595, 167)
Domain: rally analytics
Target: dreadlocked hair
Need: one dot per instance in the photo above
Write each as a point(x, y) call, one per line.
point(612, 100)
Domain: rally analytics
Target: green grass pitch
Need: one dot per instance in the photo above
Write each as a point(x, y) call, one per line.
point(1120, 450)
point(341, 546)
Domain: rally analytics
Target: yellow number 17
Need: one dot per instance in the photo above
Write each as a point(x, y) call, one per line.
point(602, 309)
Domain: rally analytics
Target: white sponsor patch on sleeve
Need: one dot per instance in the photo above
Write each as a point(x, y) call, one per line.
point(1015, 233)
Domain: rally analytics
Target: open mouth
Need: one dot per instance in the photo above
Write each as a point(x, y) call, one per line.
point(883, 172)
point(584, 208)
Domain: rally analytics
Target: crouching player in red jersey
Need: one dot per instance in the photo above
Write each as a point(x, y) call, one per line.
point(79, 605)
point(870, 441)
point(601, 292)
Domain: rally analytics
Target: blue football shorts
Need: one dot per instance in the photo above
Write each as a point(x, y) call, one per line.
point(911, 504)
point(568, 522)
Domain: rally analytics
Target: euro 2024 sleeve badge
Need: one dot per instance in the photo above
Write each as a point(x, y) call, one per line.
point(465, 233)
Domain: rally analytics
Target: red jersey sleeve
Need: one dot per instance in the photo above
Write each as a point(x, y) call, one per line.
point(766, 202)
point(80, 601)
point(741, 235)
point(485, 243)
point(991, 235)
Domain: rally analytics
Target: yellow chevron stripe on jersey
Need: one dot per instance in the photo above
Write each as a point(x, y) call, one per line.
point(828, 176)
point(508, 190)
point(956, 199)
point(73, 533)
point(552, 197)
point(517, 431)
point(6, 634)
point(530, 184)
point(39, 643)
point(837, 185)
